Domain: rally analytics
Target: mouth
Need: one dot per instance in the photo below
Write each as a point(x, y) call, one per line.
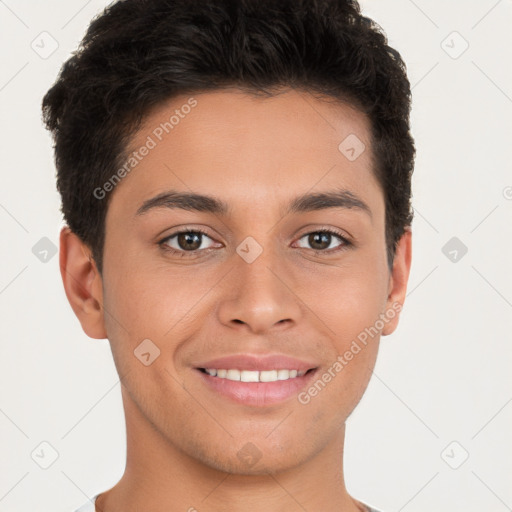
point(255, 375)
point(256, 388)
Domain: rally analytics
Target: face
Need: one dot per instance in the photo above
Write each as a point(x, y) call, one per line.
point(278, 262)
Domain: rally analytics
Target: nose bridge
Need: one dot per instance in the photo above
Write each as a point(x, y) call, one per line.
point(258, 294)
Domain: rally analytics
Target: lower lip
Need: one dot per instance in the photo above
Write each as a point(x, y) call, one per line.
point(257, 393)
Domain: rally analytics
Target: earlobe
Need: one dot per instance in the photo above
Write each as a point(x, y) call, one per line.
point(82, 283)
point(398, 281)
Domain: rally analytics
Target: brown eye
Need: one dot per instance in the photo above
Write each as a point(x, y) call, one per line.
point(182, 242)
point(189, 241)
point(321, 241)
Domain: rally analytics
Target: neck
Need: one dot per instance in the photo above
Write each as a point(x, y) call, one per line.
point(161, 477)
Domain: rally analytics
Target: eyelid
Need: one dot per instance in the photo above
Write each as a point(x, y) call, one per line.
point(323, 229)
point(341, 235)
point(344, 238)
point(182, 230)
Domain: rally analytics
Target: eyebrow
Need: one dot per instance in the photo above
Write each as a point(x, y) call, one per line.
point(204, 203)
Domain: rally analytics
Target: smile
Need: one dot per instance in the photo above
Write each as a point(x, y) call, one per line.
point(254, 375)
point(256, 388)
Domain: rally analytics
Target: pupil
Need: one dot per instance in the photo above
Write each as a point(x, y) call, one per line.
point(184, 240)
point(316, 238)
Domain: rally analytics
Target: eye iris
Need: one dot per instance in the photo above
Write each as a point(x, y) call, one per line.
point(185, 238)
point(323, 239)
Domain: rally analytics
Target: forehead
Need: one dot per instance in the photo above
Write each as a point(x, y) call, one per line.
point(244, 148)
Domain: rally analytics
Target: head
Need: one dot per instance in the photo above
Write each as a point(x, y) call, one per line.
point(255, 104)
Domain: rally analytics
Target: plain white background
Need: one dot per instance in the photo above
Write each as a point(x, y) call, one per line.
point(433, 430)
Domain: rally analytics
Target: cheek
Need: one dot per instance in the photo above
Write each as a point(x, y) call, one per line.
point(152, 301)
point(166, 306)
point(351, 306)
point(348, 301)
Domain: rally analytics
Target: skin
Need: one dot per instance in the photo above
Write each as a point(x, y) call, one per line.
point(256, 154)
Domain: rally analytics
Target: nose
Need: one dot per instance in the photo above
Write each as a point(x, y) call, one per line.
point(259, 296)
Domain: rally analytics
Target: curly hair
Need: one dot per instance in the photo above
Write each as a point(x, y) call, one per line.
point(139, 53)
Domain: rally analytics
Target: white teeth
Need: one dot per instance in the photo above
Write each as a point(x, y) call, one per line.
point(233, 375)
point(255, 375)
point(249, 376)
point(283, 374)
point(268, 376)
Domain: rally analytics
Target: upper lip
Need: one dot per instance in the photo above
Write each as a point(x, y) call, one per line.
point(257, 362)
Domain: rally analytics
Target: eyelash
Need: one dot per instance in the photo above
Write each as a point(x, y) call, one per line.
point(162, 243)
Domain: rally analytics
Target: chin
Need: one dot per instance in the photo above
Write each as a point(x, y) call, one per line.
point(252, 459)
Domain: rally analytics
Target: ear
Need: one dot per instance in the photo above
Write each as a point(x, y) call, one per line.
point(398, 281)
point(82, 283)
